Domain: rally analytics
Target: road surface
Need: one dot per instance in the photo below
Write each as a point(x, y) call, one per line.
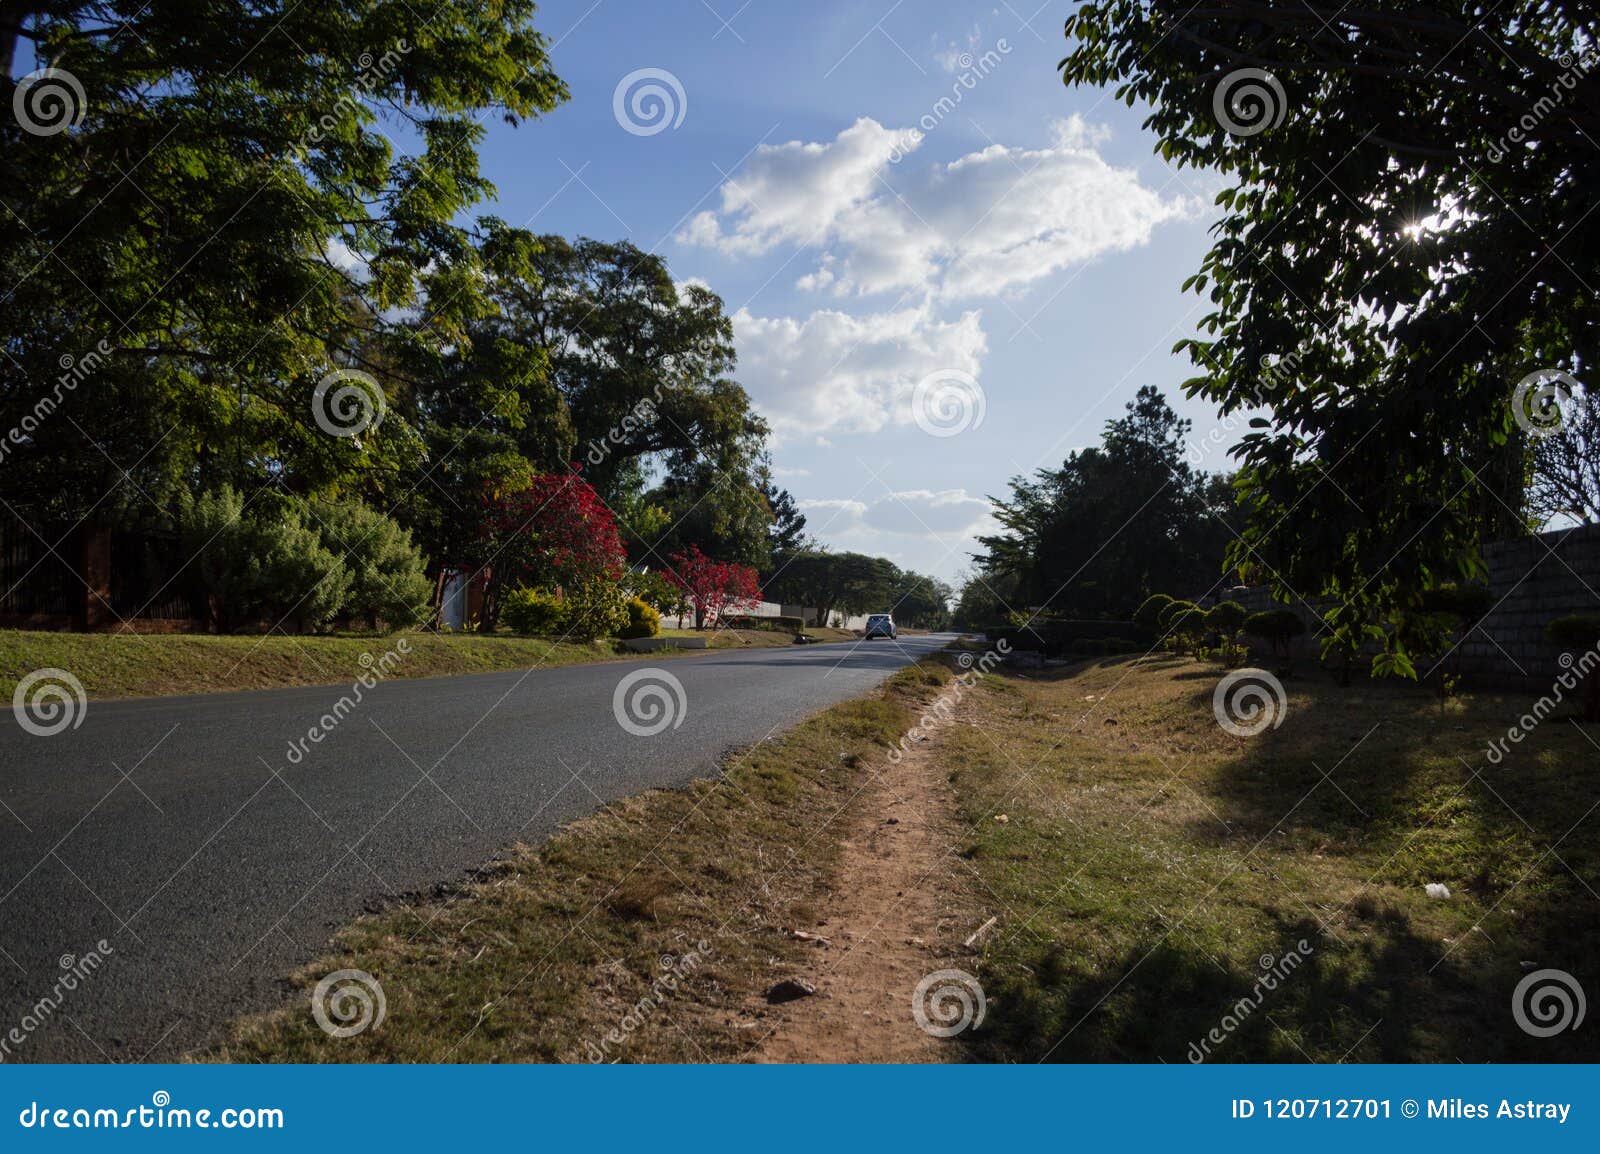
point(214, 858)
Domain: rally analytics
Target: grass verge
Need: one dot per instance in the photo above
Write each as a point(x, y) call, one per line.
point(647, 932)
point(132, 665)
point(1153, 871)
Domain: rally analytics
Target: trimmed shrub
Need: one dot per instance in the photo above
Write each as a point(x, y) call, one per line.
point(1575, 631)
point(643, 621)
point(1277, 627)
point(1149, 614)
point(1171, 610)
point(1188, 623)
point(533, 612)
point(1226, 617)
point(776, 624)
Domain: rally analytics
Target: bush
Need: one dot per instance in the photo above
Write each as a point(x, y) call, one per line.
point(1149, 614)
point(643, 621)
point(1276, 627)
point(534, 612)
point(653, 589)
point(388, 575)
point(1188, 623)
point(596, 608)
point(1169, 611)
point(776, 624)
point(261, 563)
point(1226, 617)
point(1574, 632)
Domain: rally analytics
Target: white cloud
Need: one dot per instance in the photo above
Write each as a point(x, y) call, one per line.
point(989, 222)
point(833, 372)
point(797, 192)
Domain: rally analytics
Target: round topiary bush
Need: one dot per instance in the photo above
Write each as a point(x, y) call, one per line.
point(1149, 614)
point(1277, 627)
point(643, 621)
point(1227, 617)
point(1170, 611)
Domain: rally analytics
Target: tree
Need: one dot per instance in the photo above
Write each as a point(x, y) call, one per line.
point(1382, 273)
point(921, 601)
point(1115, 523)
point(555, 532)
point(786, 535)
point(854, 582)
point(1566, 466)
point(192, 176)
point(711, 586)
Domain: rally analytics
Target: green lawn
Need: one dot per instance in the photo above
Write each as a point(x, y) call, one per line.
point(132, 665)
point(1153, 871)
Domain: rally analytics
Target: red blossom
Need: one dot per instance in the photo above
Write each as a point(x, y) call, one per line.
point(713, 586)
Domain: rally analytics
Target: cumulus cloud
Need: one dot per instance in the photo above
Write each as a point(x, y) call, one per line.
point(797, 192)
point(834, 372)
point(991, 221)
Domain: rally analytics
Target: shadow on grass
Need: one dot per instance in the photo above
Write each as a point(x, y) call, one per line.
point(1379, 772)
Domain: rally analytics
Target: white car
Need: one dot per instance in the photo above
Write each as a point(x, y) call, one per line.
point(879, 625)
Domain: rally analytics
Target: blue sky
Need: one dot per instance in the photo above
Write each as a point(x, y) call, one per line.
point(1022, 256)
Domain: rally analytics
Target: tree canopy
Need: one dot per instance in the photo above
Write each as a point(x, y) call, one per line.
point(1400, 242)
point(1114, 524)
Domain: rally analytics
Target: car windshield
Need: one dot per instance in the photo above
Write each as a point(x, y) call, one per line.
point(878, 619)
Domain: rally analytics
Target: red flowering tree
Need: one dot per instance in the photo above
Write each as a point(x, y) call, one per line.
point(555, 532)
point(710, 584)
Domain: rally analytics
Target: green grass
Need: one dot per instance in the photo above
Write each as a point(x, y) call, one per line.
point(132, 665)
point(546, 954)
point(1150, 863)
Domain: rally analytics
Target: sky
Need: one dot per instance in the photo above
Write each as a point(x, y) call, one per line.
point(944, 268)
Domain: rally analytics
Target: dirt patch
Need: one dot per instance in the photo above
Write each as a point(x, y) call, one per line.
point(899, 913)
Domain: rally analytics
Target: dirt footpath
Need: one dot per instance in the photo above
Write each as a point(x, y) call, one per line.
point(900, 914)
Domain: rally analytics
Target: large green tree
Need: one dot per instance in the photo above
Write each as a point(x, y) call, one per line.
point(209, 206)
point(1406, 232)
point(1114, 523)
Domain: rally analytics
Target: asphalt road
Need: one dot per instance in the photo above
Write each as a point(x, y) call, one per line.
point(180, 831)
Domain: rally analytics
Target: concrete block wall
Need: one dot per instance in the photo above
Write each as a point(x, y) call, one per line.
point(1533, 580)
